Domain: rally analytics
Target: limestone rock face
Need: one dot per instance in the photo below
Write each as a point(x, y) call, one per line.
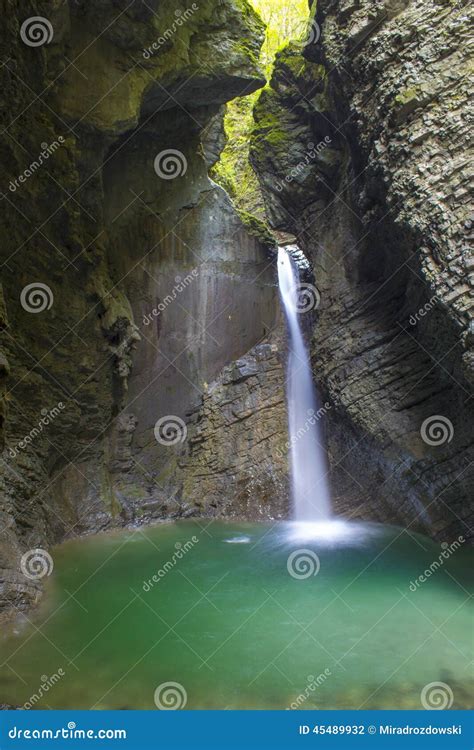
point(141, 347)
point(383, 214)
point(294, 143)
point(124, 290)
point(236, 464)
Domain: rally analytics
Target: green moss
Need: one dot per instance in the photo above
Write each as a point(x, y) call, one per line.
point(405, 96)
point(267, 117)
point(268, 132)
point(233, 171)
point(294, 76)
point(258, 229)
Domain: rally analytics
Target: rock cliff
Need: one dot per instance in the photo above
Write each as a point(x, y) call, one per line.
point(142, 349)
point(129, 281)
point(361, 144)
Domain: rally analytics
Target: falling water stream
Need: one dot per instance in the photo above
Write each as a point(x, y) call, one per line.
point(310, 490)
point(186, 605)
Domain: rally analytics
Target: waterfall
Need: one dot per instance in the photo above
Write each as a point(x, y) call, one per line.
point(308, 466)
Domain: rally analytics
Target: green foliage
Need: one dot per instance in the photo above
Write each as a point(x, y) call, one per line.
point(285, 20)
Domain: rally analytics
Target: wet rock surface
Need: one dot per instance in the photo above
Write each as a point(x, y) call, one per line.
point(93, 219)
point(237, 461)
point(383, 214)
point(156, 300)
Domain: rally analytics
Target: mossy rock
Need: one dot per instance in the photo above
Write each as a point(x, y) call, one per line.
point(257, 228)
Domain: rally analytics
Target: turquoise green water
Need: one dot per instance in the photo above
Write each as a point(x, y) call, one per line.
point(228, 622)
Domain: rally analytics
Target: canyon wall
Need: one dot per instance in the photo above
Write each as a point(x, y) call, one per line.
point(362, 149)
point(142, 349)
point(129, 281)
